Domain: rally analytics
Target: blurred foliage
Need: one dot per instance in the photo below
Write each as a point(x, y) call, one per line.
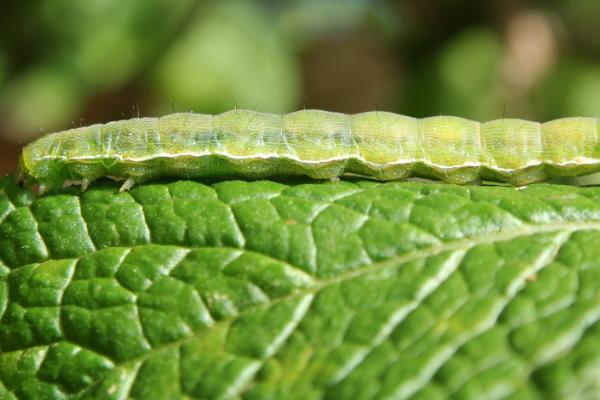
point(65, 64)
point(230, 53)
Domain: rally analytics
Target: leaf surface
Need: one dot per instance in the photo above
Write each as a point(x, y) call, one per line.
point(263, 290)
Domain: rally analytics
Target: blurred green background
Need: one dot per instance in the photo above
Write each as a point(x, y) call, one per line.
point(66, 64)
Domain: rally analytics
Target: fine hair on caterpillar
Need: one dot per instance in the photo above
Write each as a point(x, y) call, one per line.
point(318, 144)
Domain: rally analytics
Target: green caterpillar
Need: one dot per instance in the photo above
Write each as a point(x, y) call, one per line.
point(322, 145)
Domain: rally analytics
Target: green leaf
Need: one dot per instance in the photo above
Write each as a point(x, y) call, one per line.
point(262, 290)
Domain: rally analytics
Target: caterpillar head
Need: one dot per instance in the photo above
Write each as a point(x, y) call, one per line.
point(38, 174)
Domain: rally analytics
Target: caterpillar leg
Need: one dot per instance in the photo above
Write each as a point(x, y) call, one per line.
point(128, 184)
point(43, 189)
point(85, 183)
point(134, 180)
point(46, 185)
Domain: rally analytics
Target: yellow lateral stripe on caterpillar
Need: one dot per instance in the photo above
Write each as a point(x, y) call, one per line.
point(318, 144)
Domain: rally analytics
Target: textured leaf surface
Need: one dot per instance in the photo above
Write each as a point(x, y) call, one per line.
point(335, 290)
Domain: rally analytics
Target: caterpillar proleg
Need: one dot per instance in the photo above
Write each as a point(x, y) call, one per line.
point(319, 144)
